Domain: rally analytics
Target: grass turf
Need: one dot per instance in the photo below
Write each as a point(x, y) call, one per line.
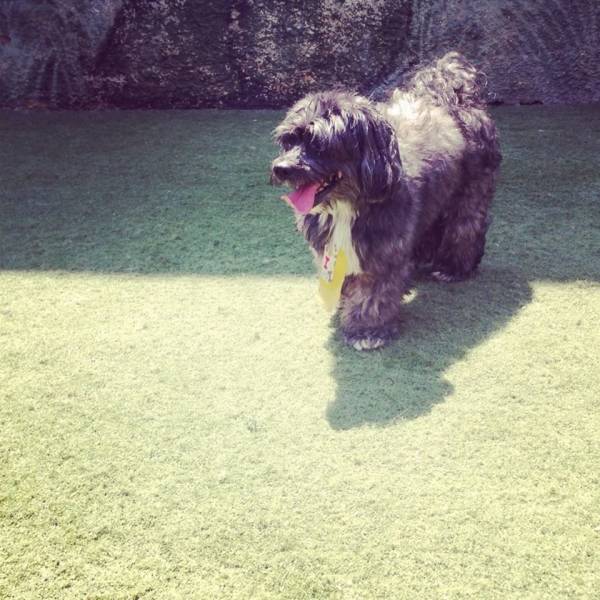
point(180, 419)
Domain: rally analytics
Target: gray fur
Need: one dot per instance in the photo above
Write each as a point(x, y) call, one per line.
point(419, 174)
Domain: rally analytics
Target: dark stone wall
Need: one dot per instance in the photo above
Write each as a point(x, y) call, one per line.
point(48, 49)
point(262, 53)
point(169, 54)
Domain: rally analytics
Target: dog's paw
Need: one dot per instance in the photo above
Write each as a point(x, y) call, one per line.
point(366, 341)
point(445, 277)
point(368, 344)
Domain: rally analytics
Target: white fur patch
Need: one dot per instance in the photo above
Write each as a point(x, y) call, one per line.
point(368, 344)
point(343, 217)
point(423, 130)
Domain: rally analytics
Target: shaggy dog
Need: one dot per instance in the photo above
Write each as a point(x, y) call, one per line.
point(396, 186)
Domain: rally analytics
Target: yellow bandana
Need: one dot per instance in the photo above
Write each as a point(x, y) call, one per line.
point(331, 278)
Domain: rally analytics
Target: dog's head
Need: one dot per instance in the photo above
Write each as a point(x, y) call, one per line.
point(336, 145)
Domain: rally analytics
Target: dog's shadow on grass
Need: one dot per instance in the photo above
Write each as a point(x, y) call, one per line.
point(441, 324)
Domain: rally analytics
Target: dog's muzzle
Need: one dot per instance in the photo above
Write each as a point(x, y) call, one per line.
point(284, 170)
point(281, 171)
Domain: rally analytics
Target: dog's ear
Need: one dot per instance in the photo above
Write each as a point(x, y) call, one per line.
point(380, 171)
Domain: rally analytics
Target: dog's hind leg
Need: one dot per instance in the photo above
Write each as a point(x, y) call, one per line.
point(426, 250)
point(463, 238)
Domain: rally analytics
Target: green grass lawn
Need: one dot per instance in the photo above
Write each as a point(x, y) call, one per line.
point(179, 417)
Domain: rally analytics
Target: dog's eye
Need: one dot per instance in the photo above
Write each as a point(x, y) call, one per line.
point(289, 140)
point(316, 145)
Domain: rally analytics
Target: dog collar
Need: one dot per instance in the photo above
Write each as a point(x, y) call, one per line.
point(331, 277)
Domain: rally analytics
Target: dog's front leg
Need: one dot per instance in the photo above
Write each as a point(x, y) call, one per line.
point(370, 307)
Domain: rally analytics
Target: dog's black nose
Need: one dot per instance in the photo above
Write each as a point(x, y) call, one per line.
point(282, 171)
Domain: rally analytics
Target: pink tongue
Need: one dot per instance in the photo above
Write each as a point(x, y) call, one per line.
point(303, 198)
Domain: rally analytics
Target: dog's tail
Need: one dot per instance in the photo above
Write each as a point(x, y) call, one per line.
point(451, 81)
